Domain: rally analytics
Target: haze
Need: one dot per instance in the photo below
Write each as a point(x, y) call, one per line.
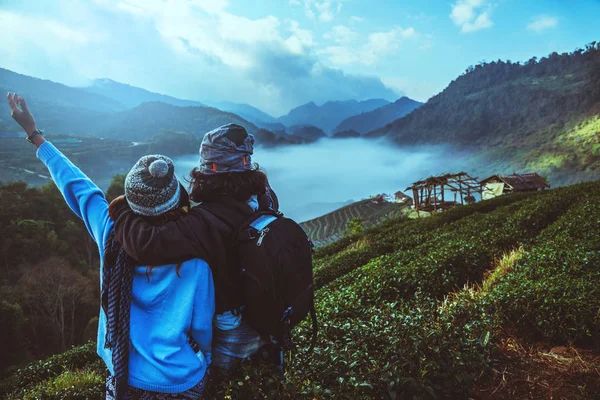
point(317, 178)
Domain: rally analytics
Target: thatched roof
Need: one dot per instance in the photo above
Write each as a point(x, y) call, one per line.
point(521, 182)
point(456, 182)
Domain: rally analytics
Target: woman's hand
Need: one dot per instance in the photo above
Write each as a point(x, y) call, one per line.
point(23, 115)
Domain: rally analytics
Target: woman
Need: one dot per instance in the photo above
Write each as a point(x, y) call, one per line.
point(148, 314)
point(227, 184)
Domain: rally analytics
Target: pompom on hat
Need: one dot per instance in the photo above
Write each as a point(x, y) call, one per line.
point(151, 186)
point(226, 149)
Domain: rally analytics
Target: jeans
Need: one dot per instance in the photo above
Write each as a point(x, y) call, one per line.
point(234, 345)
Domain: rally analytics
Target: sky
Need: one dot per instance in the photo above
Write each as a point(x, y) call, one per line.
point(279, 54)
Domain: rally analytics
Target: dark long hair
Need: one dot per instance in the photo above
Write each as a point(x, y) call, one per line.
point(239, 185)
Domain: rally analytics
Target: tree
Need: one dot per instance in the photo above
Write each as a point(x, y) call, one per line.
point(59, 302)
point(12, 343)
point(354, 227)
point(116, 187)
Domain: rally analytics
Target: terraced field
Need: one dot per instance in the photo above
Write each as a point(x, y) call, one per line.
point(329, 227)
point(472, 303)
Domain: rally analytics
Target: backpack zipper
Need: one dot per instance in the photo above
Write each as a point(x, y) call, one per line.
point(262, 236)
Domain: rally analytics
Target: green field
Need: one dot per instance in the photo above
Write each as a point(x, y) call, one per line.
point(330, 227)
point(495, 300)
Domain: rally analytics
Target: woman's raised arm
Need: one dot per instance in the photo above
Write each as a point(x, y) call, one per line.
point(81, 194)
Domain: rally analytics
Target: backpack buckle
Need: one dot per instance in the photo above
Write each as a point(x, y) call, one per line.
point(287, 314)
point(286, 342)
point(247, 234)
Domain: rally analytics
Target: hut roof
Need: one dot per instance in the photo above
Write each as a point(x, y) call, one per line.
point(462, 179)
point(521, 182)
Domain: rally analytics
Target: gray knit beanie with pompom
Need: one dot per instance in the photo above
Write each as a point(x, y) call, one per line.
point(151, 187)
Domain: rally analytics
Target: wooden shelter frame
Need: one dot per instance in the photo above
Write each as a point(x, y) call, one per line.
point(430, 194)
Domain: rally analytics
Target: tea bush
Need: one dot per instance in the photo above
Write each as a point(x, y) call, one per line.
point(75, 358)
point(553, 291)
point(394, 320)
point(86, 384)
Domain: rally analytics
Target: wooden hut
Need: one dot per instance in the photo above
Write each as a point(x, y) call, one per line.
point(497, 185)
point(439, 193)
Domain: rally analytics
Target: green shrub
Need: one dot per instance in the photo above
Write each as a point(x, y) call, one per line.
point(75, 358)
point(553, 291)
point(80, 384)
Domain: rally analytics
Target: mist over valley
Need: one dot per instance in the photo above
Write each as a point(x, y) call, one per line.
point(314, 179)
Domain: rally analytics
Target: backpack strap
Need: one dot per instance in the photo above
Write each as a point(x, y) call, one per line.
point(287, 343)
point(315, 326)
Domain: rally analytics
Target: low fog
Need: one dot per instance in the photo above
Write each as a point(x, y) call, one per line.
point(317, 178)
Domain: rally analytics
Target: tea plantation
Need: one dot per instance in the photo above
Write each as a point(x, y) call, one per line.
point(329, 227)
point(425, 309)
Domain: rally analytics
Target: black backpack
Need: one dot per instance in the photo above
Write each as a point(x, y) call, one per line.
point(274, 256)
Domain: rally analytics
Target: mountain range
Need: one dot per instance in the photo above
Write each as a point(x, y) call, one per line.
point(330, 114)
point(246, 111)
point(542, 115)
point(131, 96)
point(368, 121)
point(110, 109)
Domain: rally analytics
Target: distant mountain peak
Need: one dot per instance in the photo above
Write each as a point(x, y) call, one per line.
point(368, 121)
point(328, 115)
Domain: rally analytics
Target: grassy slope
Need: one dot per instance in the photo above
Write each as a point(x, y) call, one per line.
point(398, 321)
point(330, 226)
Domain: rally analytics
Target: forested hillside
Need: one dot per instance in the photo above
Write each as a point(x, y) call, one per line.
point(495, 300)
point(540, 115)
point(309, 132)
point(368, 121)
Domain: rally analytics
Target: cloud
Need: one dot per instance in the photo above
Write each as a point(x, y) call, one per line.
point(48, 30)
point(378, 45)
point(356, 19)
point(416, 90)
point(482, 21)
point(471, 15)
point(325, 10)
point(300, 40)
point(541, 23)
point(190, 49)
point(301, 78)
point(45, 43)
point(341, 34)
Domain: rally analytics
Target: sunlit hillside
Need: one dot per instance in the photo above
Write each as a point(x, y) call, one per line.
point(541, 115)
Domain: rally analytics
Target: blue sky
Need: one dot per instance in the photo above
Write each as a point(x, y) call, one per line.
point(278, 54)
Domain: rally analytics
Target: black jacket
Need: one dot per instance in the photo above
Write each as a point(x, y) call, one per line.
point(197, 234)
